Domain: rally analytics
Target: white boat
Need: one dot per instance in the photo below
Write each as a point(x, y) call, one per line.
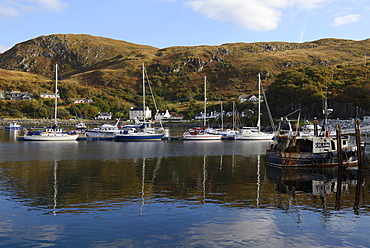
point(227, 133)
point(199, 133)
point(81, 126)
point(143, 133)
point(54, 133)
point(13, 126)
point(104, 131)
point(255, 133)
point(50, 134)
point(250, 133)
point(202, 133)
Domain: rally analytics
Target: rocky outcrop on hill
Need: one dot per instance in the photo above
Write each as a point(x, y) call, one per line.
point(75, 52)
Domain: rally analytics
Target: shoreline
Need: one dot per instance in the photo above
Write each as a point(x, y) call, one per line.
point(33, 123)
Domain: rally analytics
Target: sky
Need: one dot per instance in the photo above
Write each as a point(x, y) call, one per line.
point(168, 23)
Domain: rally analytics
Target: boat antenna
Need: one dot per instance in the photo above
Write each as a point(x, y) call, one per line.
point(326, 112)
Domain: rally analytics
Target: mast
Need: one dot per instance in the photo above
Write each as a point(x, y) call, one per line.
point(259, 103)
point(205, 101)
point(143, 93)
point(234, 117)
point(56, 95)
point(222, 118)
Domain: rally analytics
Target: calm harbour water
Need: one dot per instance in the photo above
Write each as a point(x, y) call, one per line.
point(172, 194)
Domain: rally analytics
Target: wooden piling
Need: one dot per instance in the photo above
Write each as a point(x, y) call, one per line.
point(315, 130)
point(339, 146)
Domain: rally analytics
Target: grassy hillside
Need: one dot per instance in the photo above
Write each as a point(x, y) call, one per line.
point(110, 70)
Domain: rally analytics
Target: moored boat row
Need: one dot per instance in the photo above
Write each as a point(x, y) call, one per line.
point(289, 149)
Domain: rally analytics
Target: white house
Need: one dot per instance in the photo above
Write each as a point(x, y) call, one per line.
point(176, 117)
point(81, 100)
point(162, 115)
point(17, 95)
point(104, 116)
point(249, 98)
point(48, 95)
point(138, 113)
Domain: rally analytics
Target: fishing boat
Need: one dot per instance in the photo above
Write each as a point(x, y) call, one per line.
point(202, 133)
point(13, 126)
point(143, 132)
point(255, 133)
point(54, 133)
point(293, 149)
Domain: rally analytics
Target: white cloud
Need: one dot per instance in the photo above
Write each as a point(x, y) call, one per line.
point(262, 15)
point(7, 10)
point(308, 4)
point(52, 5)
point(13, 8)
point(343, 20)
point(249, 14)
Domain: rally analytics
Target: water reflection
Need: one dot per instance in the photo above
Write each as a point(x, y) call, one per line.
point(173, 194)
point(316, 188)
point(238, 181)
point(13, 134)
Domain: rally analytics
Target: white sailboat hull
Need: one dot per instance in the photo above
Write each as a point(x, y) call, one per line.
point(46, 136)
point(254, 135)
point(258, 136)
point(201, 137)
point(140, 136)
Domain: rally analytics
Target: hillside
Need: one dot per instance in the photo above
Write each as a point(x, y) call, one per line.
point(112, 68)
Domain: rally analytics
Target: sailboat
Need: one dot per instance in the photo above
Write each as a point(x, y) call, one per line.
point(134, 134)
point(53, 133)
point(255, 133)
point(227, 133)
point(202, 133)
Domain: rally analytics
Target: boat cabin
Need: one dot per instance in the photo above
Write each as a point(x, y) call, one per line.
point(309, 144)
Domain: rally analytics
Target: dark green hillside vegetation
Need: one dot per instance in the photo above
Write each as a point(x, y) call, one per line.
point(345, 88)
point(295, 75)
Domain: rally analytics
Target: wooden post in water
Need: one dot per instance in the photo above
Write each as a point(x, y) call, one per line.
point(340, 166)
point(315, 131)
point(358, 144)
point(339, 146)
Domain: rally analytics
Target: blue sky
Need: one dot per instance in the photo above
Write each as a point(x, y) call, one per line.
point(167, 23)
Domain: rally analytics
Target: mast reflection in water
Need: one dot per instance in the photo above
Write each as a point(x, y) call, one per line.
point(109, 194)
